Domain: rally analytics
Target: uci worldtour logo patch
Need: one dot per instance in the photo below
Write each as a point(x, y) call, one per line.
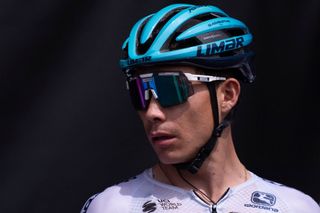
point(164, 204)
point(262, 200)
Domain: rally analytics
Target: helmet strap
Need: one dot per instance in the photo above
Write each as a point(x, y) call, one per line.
point(194, 165)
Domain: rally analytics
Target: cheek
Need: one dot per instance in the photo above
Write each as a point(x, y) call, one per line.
point(201, 118)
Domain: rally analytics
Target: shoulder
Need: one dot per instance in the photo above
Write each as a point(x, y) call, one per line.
point(106, 201)
point(294, 199)
point(113, 198)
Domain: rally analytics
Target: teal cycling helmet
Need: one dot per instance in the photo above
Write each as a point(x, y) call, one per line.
point(203, 36)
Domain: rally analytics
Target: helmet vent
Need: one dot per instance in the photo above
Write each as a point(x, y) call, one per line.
point(143, 48)
point(172, 44)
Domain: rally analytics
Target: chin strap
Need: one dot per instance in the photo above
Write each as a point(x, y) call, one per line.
point(194, 165)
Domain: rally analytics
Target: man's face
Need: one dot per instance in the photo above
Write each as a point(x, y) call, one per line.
point(177, 133)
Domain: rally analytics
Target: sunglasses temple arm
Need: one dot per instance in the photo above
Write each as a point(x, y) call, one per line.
point(203, 78)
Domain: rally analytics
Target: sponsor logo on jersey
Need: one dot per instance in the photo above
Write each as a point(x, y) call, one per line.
point(262, 200)
point(164, 204)
point(149, 206)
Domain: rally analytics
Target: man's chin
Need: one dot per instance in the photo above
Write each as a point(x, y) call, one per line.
point(171, 160)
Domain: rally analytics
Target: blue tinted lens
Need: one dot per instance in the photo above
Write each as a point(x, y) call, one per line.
point(169, 89)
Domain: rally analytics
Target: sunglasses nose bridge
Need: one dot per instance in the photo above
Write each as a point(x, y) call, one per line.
point(154, 111)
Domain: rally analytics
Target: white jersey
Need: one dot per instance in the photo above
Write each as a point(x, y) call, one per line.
point(145, 194)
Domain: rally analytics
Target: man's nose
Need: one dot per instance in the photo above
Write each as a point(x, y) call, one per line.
point(155, 112)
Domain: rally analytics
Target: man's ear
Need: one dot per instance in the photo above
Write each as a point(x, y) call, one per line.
point(228, 94)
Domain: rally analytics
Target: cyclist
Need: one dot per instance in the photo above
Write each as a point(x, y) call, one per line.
point(184, 67)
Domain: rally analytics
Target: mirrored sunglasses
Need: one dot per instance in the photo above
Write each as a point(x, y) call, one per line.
point(168, 88)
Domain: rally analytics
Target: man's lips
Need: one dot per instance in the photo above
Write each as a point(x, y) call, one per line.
point(160, 137)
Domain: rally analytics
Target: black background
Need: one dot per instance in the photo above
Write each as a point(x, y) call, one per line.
point(67, 126)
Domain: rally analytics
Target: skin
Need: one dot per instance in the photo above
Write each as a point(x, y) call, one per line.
point(177, 133)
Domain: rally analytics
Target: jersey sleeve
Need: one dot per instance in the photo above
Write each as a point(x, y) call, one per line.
point(299, 202)
point(290, 199)
point(88, 204)
point(304, 203)
point(116, 198)
point(110, 200)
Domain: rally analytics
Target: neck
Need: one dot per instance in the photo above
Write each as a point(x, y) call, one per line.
point(220, 171)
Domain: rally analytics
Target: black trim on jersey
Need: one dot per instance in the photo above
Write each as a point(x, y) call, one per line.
point(87, 204)
point(213, 203)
